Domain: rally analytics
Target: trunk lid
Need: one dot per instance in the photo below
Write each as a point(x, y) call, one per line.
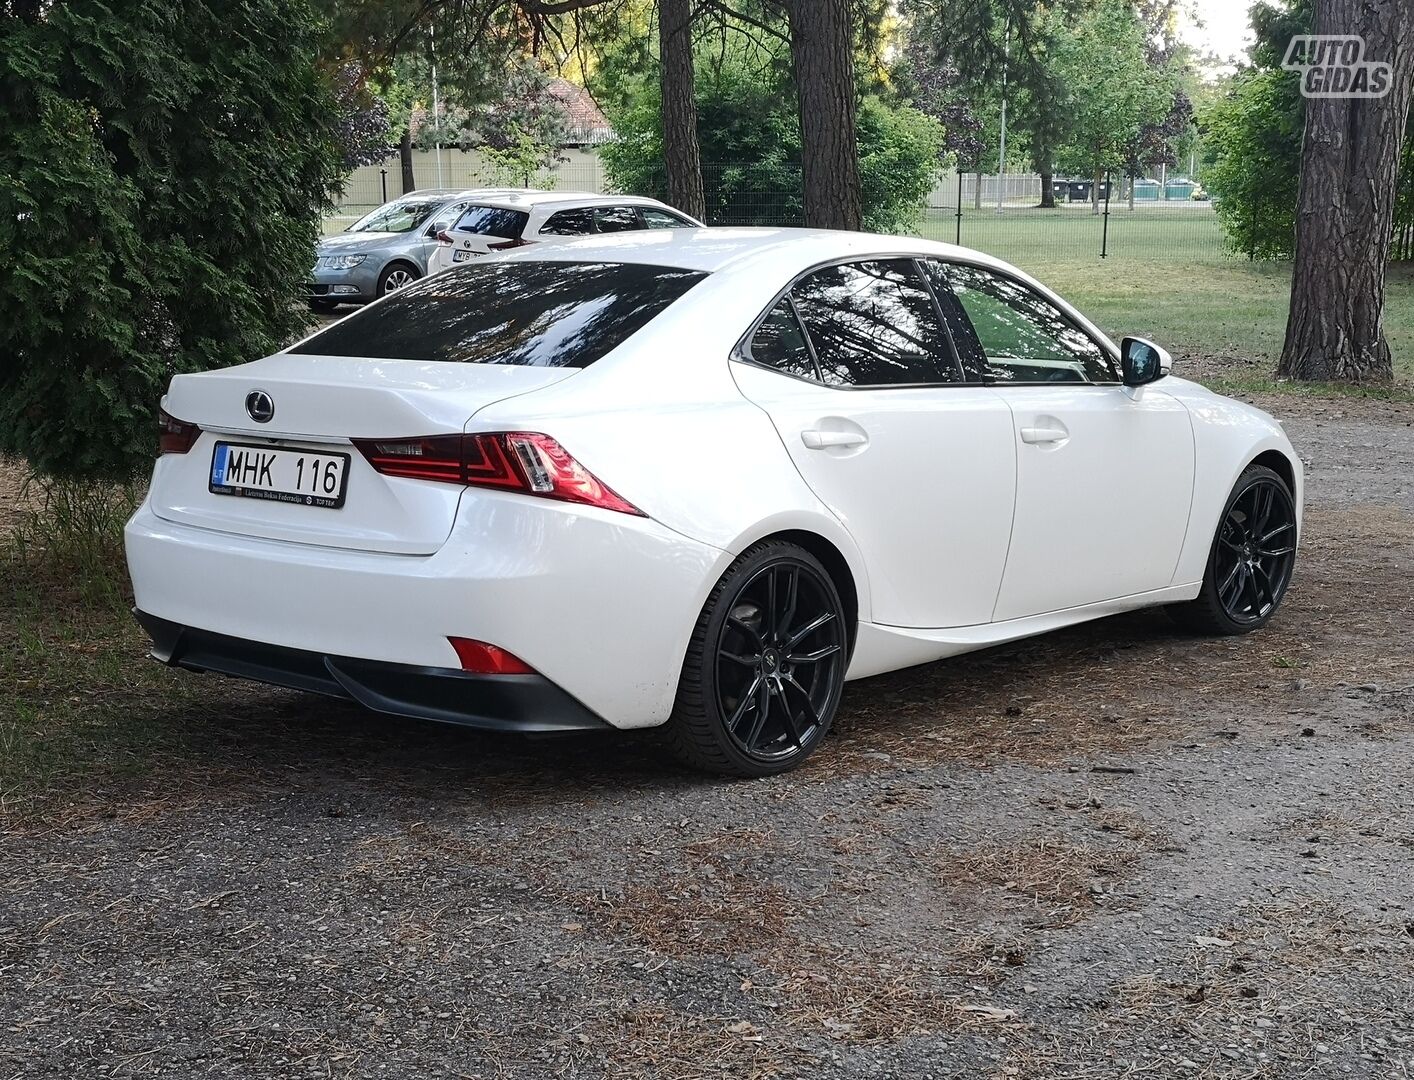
point(320, 404)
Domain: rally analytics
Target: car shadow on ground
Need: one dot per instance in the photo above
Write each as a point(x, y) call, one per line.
point(1061, 681)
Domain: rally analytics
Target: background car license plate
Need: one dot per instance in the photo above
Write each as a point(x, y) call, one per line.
point(280, 474)
point(464, 255)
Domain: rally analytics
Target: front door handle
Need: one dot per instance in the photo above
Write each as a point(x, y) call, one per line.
point(815, 439)
point(1044, 434)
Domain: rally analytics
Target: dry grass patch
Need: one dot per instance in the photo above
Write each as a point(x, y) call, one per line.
point(660, 1043)
point(1063, 879)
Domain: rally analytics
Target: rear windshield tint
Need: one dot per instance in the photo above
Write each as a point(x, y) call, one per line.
point(536, 314)
point(493, 221)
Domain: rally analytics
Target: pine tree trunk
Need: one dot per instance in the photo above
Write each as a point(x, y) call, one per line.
point(405, 160)
point(822, 51)
point(1345, 209)
point(682, 153)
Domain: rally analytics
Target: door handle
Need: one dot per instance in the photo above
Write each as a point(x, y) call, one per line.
point(1044, 434)
point(815, 439)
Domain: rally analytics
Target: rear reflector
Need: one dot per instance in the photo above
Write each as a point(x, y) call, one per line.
point(176, 436)
point(479, 658)
point(523, 461)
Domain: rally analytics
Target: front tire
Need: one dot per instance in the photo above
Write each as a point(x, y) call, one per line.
point(396, 276)
point(765, 667)
point(1251, 560)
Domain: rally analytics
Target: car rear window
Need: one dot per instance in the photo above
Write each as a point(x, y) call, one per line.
point(535, 314)
point(493, 221)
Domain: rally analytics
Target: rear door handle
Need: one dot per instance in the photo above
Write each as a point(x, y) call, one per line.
point(815, 439)
point(1044, 434)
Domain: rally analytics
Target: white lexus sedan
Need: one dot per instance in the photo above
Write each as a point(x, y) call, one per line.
point(694, 479)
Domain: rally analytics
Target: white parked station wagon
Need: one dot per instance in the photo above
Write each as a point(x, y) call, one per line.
point(502, 220)
point(695, 479)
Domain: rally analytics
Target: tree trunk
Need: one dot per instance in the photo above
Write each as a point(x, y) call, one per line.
point(682, 154)
point(1095, 193)
point(405, 160)
point(977, 193)
point(1048, 191)
point(1345, 210)
point(1132, 186)
point(822, 54)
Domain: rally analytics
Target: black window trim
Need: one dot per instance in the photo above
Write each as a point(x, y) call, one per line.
point(741, 351)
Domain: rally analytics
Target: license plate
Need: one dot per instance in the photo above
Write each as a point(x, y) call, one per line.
point(280, 474)
point(465, 255)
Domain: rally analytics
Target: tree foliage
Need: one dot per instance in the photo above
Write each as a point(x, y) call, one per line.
point(161, 178)
point(1252, 161)
point(1252, 140)
point(751, 146)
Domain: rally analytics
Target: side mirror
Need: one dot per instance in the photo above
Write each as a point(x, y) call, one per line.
point(437, 227)
point(1143, 362)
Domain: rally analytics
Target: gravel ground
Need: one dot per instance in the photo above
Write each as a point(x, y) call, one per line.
point(1108, 852)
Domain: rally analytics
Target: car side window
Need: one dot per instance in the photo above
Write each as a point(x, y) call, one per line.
point(616, 219)
point(1023, 336)
point(654, 218)
point(445, 217)
point(575, 222)
point(874, 323)
point(780, 343)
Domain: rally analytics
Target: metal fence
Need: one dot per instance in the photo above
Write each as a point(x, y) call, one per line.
point(1000, 215)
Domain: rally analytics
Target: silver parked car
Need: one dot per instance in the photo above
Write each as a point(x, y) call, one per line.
point(386, 249)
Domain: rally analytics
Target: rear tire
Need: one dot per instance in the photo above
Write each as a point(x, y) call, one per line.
point(1251, 560)
point(765, 667)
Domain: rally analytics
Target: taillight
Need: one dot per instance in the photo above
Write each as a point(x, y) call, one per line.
point(176, 436)
point(505, 245)
point(479, 658)
point(522, 461)
point(444, 238)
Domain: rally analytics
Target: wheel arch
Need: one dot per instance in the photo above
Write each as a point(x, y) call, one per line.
point(400, 260)
point(1280, 464)
point(835, 564)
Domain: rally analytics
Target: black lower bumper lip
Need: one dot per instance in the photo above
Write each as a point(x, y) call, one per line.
point(524, 703)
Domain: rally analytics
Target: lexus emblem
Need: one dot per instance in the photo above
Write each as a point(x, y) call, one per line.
point(261, 406)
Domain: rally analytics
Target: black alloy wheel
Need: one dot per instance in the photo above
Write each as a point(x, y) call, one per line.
point(1252, 558)
point(766, 666)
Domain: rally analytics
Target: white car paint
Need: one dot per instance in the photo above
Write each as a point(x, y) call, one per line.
point(956, 531)
point(540, 207)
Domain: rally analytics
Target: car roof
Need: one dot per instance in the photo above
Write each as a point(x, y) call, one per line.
point(526, 198)
point(713, 249)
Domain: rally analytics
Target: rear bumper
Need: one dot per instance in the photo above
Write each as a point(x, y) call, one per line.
point(600, 604)
point(524, 703)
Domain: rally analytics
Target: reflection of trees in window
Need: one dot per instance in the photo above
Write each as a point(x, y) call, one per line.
point(548, 314)
point(1013, 323)
point(779, 343)
point(873, 324)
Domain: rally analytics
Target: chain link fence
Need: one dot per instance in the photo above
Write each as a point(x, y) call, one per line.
point(1117, 219)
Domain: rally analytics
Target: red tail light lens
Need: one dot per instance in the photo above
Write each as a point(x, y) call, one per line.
point(444, 237)
point(176, 436)
point(506, 245)
point(523, 461)
point(479, 658)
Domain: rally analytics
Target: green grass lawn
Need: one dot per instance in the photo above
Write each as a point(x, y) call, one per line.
point(1166, 277)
